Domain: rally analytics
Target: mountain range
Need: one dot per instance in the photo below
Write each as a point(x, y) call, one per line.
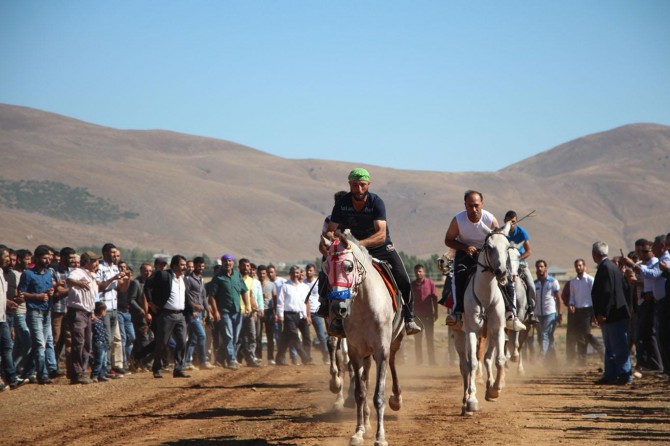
point(68, 182)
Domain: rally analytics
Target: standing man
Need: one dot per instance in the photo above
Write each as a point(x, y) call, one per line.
point(6, 344)
point(197, 295)
point(547, 309)
point(226, 292)
point(61, 334)
point(269, 305)
point(425, 305)
point(312, 282)
point(108, 276)
point(167, 292)
point(580, 314)
point(82, 292)
point(250, 313)
point(37, 288)
point(296, 318)
point(611, 311)
point(364, 213)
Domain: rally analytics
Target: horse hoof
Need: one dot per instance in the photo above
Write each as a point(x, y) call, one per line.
point(335, 385)
point(472, 407)
point(514, 358)
point(338, 406)
point(465, 413)
point(381, 443)
point(395, 402)
point(356, 440)
point(492, 394)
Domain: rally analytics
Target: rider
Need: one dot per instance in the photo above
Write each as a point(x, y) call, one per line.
point(466, 234)
point(364, 213)
point(520, 238)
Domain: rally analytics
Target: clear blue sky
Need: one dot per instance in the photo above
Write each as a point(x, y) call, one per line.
point(425, 85)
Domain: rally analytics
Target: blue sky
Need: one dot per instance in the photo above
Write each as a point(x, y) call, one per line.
point(425, 85)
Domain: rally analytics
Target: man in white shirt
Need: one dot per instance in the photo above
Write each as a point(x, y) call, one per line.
point(107, 276)
point(296, 318)
point(580, 314)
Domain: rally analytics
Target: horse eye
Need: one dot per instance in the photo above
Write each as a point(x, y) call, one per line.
point(348, 266)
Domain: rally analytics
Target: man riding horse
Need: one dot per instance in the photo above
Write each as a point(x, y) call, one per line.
point(364, 213)
point(466, 234)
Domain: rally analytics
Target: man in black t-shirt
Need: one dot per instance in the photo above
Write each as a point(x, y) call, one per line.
point(364, 213)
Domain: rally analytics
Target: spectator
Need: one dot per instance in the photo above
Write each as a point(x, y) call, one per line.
point(61, 335)
point(269, 304)
point(257, 296)
point(108, 276)
point(127, 295)
point(23, 343)
point(226, 293)
point(296, 318)
point(6, 344)
point(312, 282)
point(82, 292)
point(425, 307)
point(547, 309)
point(196, 293)
point(611, 312)
point(100, 345)
point(580, 314)
point(37, 287)
point(166, 290)
point(249, 310)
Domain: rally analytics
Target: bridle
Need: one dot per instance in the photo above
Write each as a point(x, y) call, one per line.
point(486, 266)
point(353, 271)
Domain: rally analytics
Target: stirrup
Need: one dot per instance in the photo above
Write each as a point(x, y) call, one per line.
point(514, 324)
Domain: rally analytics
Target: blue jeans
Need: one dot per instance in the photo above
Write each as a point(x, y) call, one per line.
point(320, 328)
point(617, 353)
point(196, 337)
point(127, 335)
point(545, 334)
point(100, 350)
point(230, 326)
point(22, 346)
point(6, 347)
point(42, 349)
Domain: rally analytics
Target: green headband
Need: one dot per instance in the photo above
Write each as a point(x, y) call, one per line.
point(359, 174)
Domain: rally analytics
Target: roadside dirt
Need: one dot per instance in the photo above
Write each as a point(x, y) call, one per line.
point(292, 406)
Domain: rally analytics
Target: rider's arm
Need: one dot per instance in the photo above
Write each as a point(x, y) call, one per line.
point(527, 251)
point(450, 238)
point(378, 237)
point(329, 234)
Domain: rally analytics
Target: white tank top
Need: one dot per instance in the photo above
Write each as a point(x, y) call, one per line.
point(470, 233)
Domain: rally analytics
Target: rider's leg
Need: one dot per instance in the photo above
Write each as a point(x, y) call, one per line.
point(512, 322)
point(324, 288)
point(527, 277)
point(462, 264)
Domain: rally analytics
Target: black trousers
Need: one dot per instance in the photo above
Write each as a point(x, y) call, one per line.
point(170, 324)
point(294, 326)
point(462, 265)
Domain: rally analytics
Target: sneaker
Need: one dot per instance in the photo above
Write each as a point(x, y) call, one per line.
point(32, 379)
point(271, 362)
point(102, 379)
point(205, 366)
point(56, 373)
point(112, 375)
point(452, 319)
point(120, 371)
point(44, 380)
point(232, 365)
point(157, 374)
point(3, 387)
point(189, 367)
point(255, 364)
point(94, 379)
point(180, 374)
point(80, 380)
point(18, 383)
point(411, 328)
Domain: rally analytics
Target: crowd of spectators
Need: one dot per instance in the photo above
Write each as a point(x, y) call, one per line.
point(90, 318)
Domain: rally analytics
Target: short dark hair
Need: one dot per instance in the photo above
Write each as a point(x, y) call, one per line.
point(418, 266)
point(579, 260)
point(67, 252)
point(176, 259)
point(198, 260)
point(544, 262)
point(261, 268)
point(107, 247)
point(510, 215)
point(472, 192)
point(42, 250)
point(100, 307)
point(243, 261)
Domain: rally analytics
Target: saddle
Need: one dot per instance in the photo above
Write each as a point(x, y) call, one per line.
point(384, 270)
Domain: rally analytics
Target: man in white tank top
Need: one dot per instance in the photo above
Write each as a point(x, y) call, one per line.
point(466, 234)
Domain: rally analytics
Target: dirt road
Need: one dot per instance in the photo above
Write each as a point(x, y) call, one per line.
point(292, 406)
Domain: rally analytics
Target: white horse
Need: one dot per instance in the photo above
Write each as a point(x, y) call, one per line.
point(483, 300)
point(516, 339)
point(369, 328)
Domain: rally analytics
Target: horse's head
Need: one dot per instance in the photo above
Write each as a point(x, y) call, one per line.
point(342, 266)
point(496, 252)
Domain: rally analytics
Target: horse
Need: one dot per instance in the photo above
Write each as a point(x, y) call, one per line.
point(369, 327)
point(483, 300)
point(516, 339)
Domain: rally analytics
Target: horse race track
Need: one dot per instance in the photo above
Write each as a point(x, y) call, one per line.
point(292, 406)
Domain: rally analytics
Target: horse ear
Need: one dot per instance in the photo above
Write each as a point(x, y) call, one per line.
point(343, 239)
point(326, 242)
point(507, 227)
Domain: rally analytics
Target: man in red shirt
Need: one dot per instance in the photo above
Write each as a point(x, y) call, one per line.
point(425, 307)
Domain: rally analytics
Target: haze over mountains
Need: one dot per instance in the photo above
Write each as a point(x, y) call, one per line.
point(162, 190)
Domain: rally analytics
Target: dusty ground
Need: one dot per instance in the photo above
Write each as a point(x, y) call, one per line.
point(292, 406)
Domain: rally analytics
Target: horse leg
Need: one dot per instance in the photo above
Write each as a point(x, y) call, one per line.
point(395, 401)
point(367, 362)
point(336, 371)
point(500, 363)
point(522, 339)
point(471, 402)
point(381, 359)
point(459, 345)
point(350, 402)
point(360, 391)
point(481, 350)
point(514, 344)
point(491, 394)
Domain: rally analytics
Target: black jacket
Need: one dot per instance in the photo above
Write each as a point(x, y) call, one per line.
point(159, 287)
point(608, 295)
